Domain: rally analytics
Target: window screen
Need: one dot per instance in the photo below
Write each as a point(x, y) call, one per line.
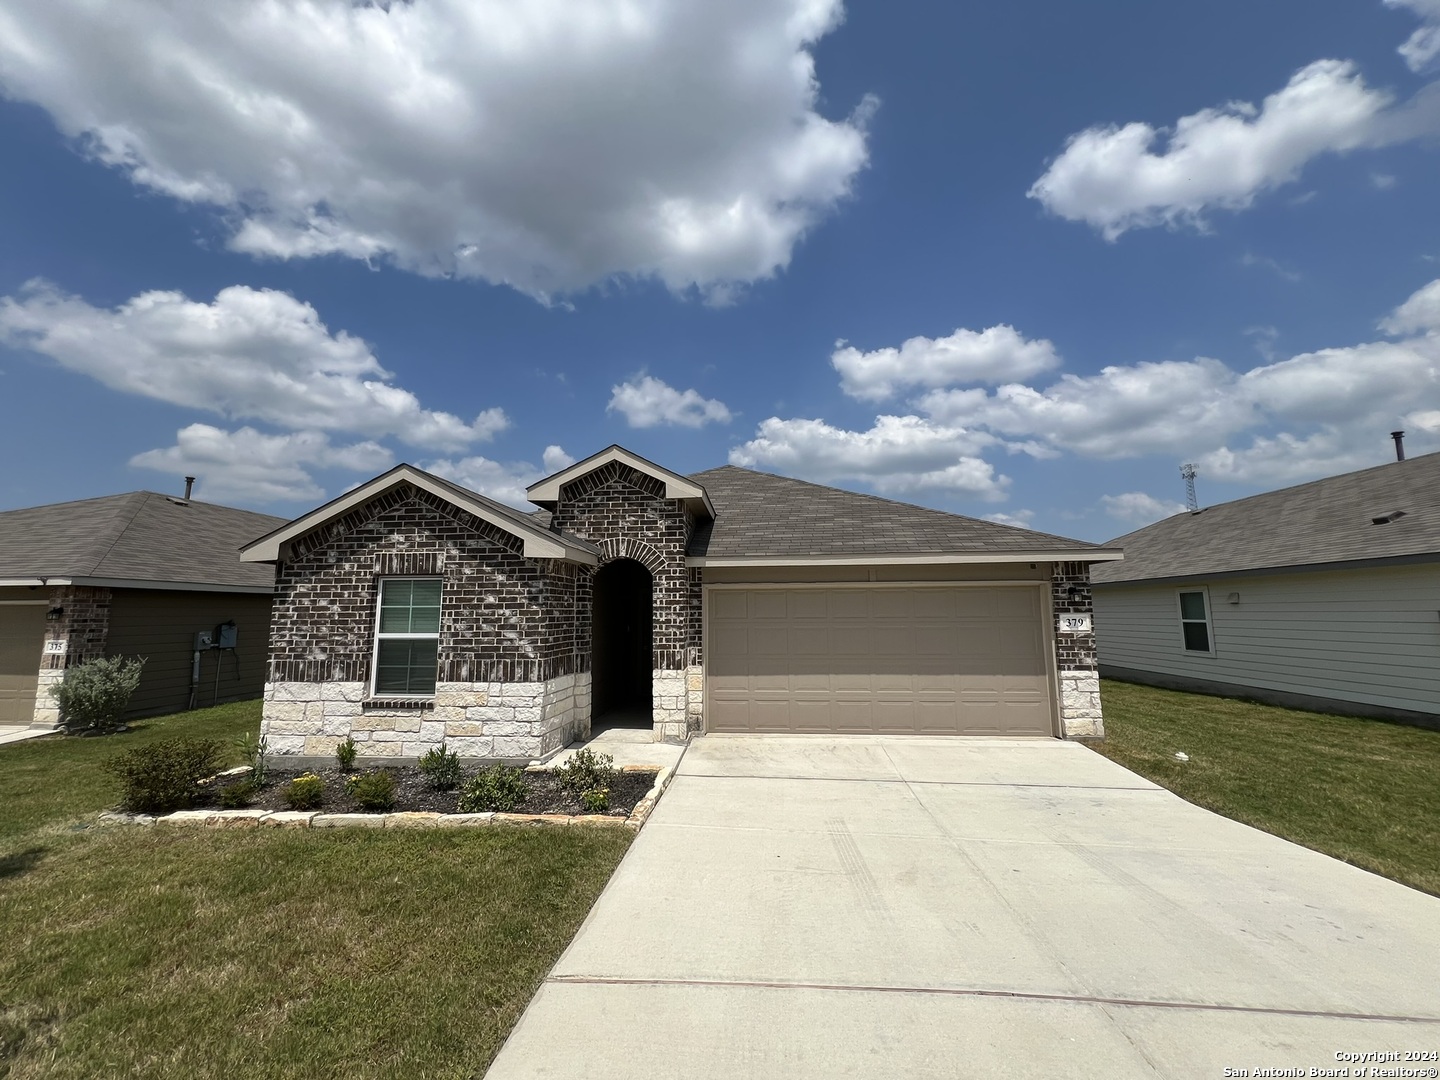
point(1194, 622)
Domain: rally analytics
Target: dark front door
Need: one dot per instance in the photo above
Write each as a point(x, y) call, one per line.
point(621, 640)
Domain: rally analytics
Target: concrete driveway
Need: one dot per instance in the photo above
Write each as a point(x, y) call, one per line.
point(866, 907)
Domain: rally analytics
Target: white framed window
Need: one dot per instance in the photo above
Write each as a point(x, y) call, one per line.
point(1195, 628)
point(407, 637)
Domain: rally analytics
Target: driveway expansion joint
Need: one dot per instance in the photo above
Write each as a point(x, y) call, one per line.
point(978, 992)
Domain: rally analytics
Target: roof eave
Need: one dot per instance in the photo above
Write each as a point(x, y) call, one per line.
point(906, 558)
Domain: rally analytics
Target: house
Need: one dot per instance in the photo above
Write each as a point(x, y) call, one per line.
point(139, 574)
point(1323, 596)
point(411, 612)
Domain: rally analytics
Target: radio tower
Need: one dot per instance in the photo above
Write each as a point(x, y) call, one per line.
point(1191, 502)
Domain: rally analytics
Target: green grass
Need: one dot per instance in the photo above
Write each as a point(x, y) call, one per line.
point(173, 952)
point(1361, 790)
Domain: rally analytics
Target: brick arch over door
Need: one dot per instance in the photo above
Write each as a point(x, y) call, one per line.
point(630, 548)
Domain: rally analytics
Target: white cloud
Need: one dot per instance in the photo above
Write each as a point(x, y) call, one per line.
point(646, 401)
point(1276, 267)
point(1020, 519)
point(1420, 314)
point(251, 467)
point(898, 455)
point(546, 145)
point(1219, 158)
point(1123, 411)
point(1310, 415)
point(503, 481)
point(997, 354)
point(252, 354)
point(1137, 508)
point(1421, 48)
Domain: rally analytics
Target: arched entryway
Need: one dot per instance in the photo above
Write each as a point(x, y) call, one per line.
point(622, 651)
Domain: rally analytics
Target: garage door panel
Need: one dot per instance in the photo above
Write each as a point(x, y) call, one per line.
point(935, 660)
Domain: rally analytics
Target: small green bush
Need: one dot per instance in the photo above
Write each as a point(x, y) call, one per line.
point(93, 695)
point(495, 787)
point(306, 792)
point(163, 776)
point(595, 801)
point(372, 790)
point(441, 769)
point(586, 771)
point(345, 754)
point(240, 794)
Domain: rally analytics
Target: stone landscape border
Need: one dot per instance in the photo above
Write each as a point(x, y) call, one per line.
point(402, 819)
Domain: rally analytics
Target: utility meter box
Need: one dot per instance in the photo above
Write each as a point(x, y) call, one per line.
point(225, 635)
point(205, 639)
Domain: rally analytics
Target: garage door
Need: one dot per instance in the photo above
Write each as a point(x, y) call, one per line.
point(22, 637)
point(923, 661)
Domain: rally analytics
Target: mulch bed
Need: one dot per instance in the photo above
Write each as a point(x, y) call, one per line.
point(544, 795)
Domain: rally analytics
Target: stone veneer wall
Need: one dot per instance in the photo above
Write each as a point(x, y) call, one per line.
point(84, 628)
point(514, 658)
point(1079, 671)
point(510, 721)
point(627, 514)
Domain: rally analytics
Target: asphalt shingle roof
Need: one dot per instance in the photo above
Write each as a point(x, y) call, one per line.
point(759, 514)
point(1324, 521)
point(139, 536)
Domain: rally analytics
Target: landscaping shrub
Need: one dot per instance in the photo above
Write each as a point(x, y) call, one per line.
point(495, 787)
point(441, 769)
point(372, 790)
point(93, 695)
point(586, 771)
point(240, 794)
point(257, 756)
point(163, 776)
point(595, 801)
point(345, 754)
point(306, 792)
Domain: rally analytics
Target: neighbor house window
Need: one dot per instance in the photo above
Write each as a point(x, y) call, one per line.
point(407, 637)
point(1195, 621)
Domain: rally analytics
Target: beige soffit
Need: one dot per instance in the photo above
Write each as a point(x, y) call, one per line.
point(547, 491)
point(1094, 555)
point(539, 544)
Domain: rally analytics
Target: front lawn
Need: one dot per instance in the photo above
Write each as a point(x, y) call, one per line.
point(1361, 790)
point(170, 952)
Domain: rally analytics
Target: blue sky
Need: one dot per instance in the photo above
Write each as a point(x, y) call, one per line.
point(1066, 247)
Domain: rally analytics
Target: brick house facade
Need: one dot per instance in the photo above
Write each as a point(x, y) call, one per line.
point(523, 599)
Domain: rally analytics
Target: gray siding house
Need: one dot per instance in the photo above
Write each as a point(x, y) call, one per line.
point(139, 574)
point(1322, 596)
point(413, 612)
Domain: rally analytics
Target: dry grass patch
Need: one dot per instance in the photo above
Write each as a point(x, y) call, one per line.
point(1360, 790)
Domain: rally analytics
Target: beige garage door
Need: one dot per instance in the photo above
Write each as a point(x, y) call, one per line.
point(22, 637)
point(922, 661)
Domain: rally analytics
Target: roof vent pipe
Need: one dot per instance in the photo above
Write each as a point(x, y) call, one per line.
point(1399, 437)
point(189, 486)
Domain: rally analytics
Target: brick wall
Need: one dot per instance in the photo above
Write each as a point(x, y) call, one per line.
point(504, 618)
point(83, 627)
point(1081, 715)
point(627, 513)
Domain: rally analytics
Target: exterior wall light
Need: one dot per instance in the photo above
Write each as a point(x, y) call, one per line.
point(55, 614)
point(1234, 598)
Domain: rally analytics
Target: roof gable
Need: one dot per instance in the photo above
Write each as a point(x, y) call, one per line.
point(1323, 521)
point(539, 542)
point(546, 492)
point(762, 516)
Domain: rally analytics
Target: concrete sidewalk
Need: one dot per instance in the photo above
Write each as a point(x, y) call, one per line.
point(820, 907)
point(20, 732)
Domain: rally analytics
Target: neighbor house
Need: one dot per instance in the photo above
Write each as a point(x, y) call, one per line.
point(412, 611)
point(1322, 596)
point(141, 574)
